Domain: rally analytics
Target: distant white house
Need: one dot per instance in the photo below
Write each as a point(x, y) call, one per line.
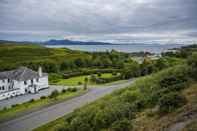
point(21, 81)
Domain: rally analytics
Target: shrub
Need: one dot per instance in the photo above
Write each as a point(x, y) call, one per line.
point(170, 102)
point(32, 100)
point(43, 97)
point(121, 125)
point(192, 62)
point(114, 73)
point(4, 109)
point(99, 74)
point(64, 90)
point(93, 78)
point(72, 89)
point(15, 105)
point(128, 96)
point(79, 83)
point(54, 94)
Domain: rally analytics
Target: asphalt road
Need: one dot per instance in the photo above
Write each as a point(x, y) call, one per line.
point(27, 97)
point(35, 119)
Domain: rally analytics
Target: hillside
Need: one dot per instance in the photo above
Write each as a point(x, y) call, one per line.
point(162, 101)
point(54, 60)
point(71, 42)
point(13, 55)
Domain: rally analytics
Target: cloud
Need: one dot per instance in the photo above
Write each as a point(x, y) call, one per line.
point(96, 17)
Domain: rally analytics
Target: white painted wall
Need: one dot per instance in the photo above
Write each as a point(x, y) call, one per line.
point(20, 87)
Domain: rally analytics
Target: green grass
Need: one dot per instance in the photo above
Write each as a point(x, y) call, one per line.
point(52, 126)
point(29, 53)
point(140, 90)
point(74, 81)
point(22, 108)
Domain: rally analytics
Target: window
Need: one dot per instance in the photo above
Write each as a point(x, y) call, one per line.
point(3, 88)
point(3, 81)
point(25, 82)
point(32, 81)
point(8, 80)
point(37, 80)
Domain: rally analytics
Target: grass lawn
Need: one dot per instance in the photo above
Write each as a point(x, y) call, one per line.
point(28, 106)
point(74, 81)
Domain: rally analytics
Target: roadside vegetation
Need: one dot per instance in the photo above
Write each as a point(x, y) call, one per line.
point(154, 96)
point(54, 97)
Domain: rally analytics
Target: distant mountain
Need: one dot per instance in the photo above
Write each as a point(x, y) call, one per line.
point(57, 42)
point(70, 42)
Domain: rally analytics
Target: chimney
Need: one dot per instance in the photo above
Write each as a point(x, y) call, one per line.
point(40, 71)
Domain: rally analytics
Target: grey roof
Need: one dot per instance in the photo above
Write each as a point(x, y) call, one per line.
point(20, 74)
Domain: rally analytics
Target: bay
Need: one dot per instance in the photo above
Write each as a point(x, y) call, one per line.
point(153, 48)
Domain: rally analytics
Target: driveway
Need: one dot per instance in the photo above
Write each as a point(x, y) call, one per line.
point(38, 118)
point(27, 97)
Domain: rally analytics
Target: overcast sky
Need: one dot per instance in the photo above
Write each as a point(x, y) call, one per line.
point(99, 20)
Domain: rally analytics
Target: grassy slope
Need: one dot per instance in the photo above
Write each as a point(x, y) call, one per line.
point(136, 90)
point(146, 120)
point(35, 53)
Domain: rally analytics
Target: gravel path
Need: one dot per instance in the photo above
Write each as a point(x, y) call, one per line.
point(45, 115)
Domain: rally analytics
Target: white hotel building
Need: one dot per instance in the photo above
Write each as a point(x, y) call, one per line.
point(21, 81)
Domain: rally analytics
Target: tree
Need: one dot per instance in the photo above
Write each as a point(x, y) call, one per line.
point(131, 70)
point(147, 66)
point(54, 94)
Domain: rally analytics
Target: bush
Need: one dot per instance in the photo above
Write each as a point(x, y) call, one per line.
point(43, 97)
point(15, 105)
point(170, 102)
point(99, 74)
point(64, 90)
point(192, 62)
point(54, 94)
point(32, 100)
point(4, 109)
point(72, 89)
point(79, 83)
point(93, 78)
point(114, 73)
point(121, 125)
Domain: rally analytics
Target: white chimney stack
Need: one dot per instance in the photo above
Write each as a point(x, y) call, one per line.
point(40, 71)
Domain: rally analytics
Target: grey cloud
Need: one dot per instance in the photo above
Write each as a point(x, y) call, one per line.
point(97, 17)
